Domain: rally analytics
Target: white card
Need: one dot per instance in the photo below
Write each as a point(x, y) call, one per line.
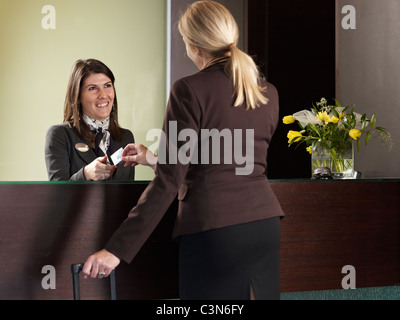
point(117, 156)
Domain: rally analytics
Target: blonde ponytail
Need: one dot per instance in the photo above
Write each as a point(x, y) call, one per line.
point(211, 27)
point(245, 76)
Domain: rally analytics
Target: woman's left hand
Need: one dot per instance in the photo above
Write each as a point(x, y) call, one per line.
point(100, 264)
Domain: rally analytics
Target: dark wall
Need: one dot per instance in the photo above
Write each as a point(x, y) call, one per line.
point(293, 41)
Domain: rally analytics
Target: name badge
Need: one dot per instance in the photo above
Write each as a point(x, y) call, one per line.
point(81, 147)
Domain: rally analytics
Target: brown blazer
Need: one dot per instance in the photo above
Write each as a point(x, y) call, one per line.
point(211, 194)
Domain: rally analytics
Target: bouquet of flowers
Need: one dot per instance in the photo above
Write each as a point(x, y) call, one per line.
point(334, 127)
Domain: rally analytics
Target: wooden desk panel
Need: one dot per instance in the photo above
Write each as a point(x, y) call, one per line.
point(328, 225)
point(62, 224)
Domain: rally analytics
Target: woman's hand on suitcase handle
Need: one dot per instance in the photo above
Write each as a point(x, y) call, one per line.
point(101, 262)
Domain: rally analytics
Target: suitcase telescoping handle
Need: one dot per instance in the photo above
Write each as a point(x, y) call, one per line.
point(76, 269)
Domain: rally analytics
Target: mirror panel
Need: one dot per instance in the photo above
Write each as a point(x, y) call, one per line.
point(39, 45)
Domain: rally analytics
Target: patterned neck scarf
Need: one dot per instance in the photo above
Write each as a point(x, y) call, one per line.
point(100, 128)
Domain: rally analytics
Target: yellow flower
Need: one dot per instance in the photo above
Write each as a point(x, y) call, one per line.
point(309, 150)
point(335, 120)
point(323, 116)
point(289, 120)
point(355, 134)
point(293, 134)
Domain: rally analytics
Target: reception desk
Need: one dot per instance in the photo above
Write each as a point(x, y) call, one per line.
point(328, 225)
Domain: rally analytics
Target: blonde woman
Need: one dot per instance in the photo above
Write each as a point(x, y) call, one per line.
point(228, 221)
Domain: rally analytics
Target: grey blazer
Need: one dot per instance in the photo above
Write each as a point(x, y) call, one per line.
point(65, 159)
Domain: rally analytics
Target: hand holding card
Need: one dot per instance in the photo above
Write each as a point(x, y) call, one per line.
point(135, 154)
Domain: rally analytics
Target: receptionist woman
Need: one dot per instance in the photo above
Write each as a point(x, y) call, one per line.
point(81, 147)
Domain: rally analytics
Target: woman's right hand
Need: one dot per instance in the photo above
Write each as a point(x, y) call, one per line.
point(135, 154)
point(98, 170)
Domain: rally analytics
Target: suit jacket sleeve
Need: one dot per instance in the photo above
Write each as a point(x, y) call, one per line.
point(183, 110)
point(57, 155)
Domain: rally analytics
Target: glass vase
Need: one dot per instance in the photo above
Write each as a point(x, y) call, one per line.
point(340, 164)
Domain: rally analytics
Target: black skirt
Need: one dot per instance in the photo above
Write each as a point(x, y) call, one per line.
point(224, 264)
